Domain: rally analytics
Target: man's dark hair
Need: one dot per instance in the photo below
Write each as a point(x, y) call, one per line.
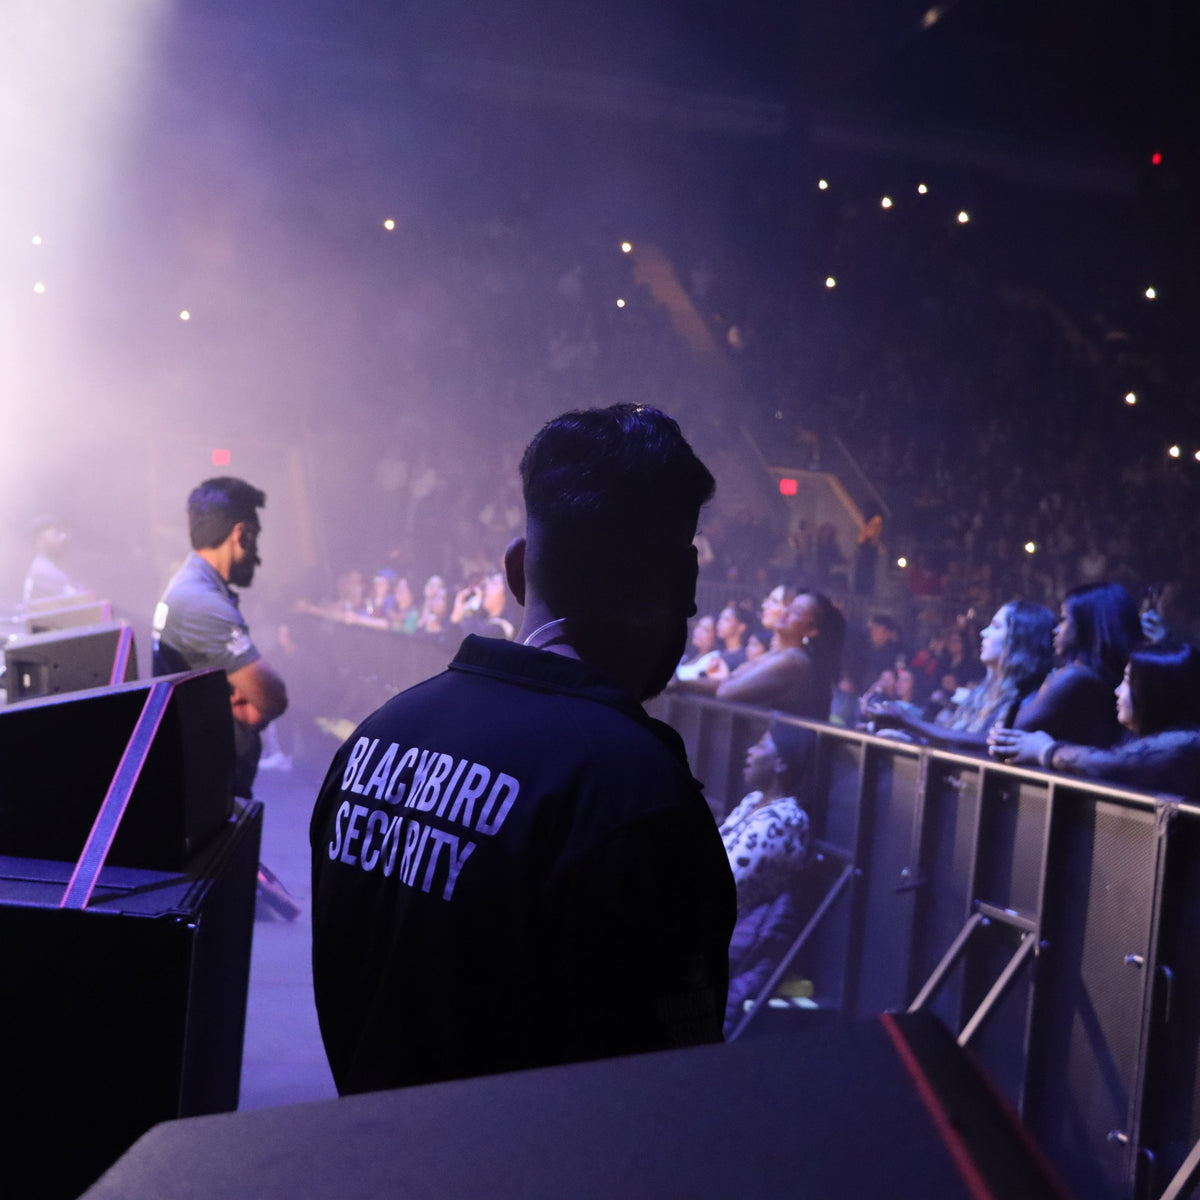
point(608, 490)
point(217, 505)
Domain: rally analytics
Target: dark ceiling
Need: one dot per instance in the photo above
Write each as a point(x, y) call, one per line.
point(1111, 75)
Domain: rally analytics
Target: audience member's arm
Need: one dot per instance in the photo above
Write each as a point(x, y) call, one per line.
point(707, 684)
point(1162, 760)
point(1059, 694)
point(953, 739)
point(765, 679)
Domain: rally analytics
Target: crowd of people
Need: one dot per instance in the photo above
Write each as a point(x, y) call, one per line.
point(388, 603)
point(1099, 674)
point(1100, 690)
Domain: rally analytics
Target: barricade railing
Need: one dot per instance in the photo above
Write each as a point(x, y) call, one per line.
point(1047, 920)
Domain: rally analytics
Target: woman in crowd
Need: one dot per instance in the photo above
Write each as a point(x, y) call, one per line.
point(773, 608)
point(1158, 702)
point(958, 661)
point(757, 643)
point(404, 614)
point(704, 646)
point(433, 611)
point(1015, 650)
point(379, 605)
point(766, 837)
point(1097, 629)
point(380, 601)
point(798, 673)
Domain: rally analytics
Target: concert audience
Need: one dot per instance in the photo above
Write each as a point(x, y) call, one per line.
point(1158, 702)
point(479, 608)
point(433, 611)
point(704, 643)
point(732, 623)
point(767, 839)
point(404, 614)
point(1097, 629)
point(758, 642)
point(798, 673)
point(1016, 651)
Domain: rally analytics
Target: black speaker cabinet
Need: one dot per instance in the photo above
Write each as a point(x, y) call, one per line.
point(57, 661)
point(887, 1111)
point(58, 756)
point(123, 1014)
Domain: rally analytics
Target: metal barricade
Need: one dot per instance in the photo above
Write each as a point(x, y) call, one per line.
point(1046, 919)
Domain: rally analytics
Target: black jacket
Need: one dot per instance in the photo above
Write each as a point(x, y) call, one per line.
point(512, 867)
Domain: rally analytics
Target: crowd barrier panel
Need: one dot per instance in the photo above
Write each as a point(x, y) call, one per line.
point(1049, 921)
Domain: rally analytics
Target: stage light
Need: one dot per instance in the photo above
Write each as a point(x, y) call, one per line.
point(1156, 159)
point(788, 487)
point(221, 458)
point(1130, 398)
point(620, 303)
point(1173, 451)
point(830, 282)
point(626, 247)
point(185, 315)
point(35, 240)
point(886, 202)
point(921, 189)
point(1030, 547)
point(1197, 456)
point(823, 184)
point(963, 217)
point(389, 224)
point(39, 288)
point(902, 562)
point(1151, 294)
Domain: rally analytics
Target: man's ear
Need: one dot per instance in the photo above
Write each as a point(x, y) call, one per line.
point(235, 535)
point(514, 569)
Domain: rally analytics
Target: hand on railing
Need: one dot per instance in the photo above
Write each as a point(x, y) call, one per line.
point(1020, 747)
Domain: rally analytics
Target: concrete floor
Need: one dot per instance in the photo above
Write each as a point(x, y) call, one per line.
point(283, 1060)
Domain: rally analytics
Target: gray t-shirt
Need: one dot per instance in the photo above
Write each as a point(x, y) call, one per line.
point(198, 624)
point(198, 618)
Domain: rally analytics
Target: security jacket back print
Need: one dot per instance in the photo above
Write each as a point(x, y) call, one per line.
point(513, 867)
